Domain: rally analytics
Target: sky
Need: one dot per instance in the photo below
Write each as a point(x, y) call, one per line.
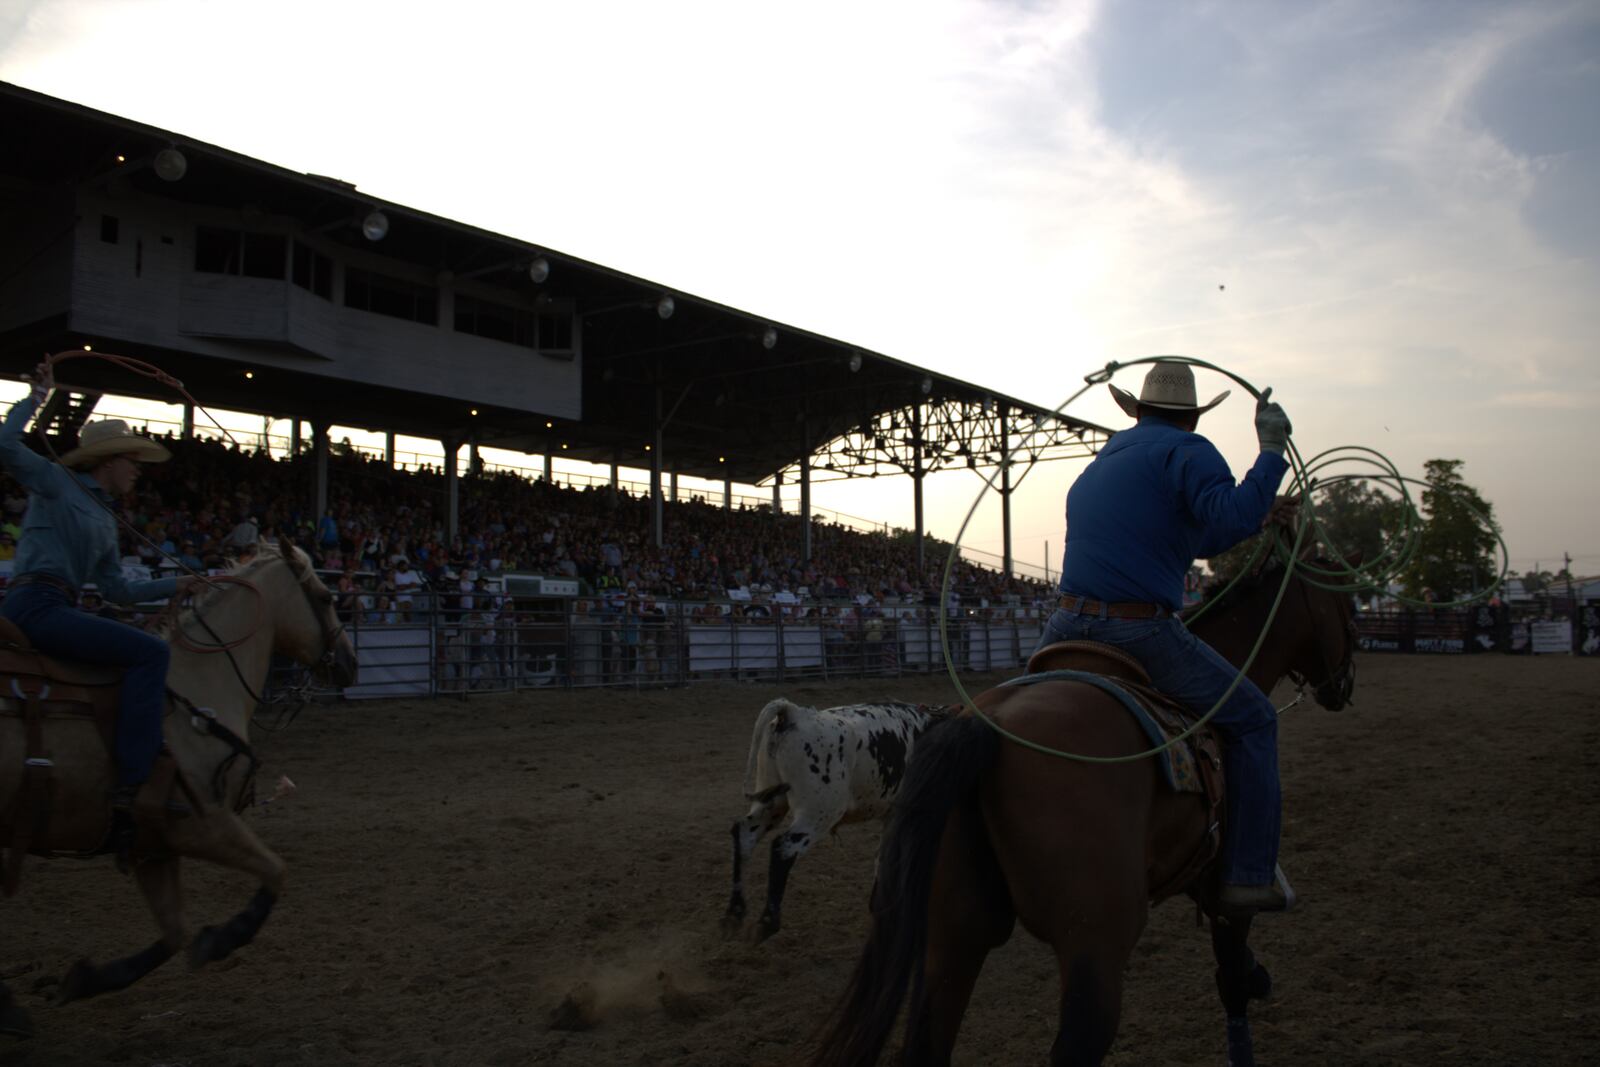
point(1383, 209)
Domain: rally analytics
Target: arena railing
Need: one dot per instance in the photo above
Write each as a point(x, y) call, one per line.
point(434, 646)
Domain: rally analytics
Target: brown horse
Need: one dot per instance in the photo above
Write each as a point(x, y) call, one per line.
point(987, 832)
point(222, 648)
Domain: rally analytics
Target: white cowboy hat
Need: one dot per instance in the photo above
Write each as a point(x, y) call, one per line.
point(1169, 386)
point(113, 437)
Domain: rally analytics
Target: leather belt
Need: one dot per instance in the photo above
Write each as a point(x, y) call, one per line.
point(60, 585)
point(1082, 605)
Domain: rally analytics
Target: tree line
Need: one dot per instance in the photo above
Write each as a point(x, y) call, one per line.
point(1439, 547)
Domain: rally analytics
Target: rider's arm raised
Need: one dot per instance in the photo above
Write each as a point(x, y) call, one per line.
point(1228, 512)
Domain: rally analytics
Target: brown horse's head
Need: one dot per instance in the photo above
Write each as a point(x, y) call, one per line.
point(1325, 659)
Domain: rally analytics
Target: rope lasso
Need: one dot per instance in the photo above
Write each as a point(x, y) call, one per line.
point(1357, 576)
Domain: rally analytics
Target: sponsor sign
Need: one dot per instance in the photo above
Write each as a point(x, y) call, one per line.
point(1380, 644)
point(1438, 644)
point(1551, 636)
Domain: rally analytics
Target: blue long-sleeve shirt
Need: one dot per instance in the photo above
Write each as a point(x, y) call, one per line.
point(69, 531)
point(1153, 501)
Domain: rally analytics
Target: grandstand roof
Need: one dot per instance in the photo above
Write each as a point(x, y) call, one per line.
point(728, 405)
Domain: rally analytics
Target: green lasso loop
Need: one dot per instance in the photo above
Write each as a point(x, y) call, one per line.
point(1338, 575)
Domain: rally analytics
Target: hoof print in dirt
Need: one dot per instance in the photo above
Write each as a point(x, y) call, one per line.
point(576, 1010)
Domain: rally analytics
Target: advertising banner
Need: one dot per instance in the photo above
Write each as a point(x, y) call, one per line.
point(1551, 636)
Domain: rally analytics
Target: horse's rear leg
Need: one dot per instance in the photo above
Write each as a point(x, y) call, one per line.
point(763, 815)
point(969, 915)
point(158, 881)
point(1240, 979)
point(223, 838)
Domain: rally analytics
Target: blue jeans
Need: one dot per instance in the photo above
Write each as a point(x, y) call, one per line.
point(57, 628)
point(1194, 674)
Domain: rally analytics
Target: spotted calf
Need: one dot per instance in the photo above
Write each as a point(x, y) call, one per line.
point(825, 766)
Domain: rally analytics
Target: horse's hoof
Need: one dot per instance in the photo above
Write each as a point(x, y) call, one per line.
point(764, 929)
point(15, 1022)
point(1259, 984)
point(731, 925)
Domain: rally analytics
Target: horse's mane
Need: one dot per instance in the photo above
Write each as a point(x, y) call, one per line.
point(1221, 596)
point(267, 553)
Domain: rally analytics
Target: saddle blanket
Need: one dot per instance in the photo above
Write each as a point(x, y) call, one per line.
point(1177, 762)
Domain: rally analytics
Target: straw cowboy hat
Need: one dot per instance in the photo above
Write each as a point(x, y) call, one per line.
point(113, 437)
point(1169, 386)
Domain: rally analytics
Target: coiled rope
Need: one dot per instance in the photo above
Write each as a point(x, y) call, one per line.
point(1338, 575)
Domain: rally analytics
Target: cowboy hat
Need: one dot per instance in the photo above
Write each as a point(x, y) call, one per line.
point(113, 437)
point(1168, 386)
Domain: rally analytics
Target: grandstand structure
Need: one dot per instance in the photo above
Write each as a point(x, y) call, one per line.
point(298, 296)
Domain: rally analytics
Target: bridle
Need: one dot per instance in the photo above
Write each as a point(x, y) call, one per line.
point(1337, 690)
point(292, 698)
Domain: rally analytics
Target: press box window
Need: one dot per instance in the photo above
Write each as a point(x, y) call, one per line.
point(313, 271)
point(398, 299)
point(542, 331)
point(253, 255)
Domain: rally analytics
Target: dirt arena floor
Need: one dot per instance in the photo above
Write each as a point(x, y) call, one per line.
point(458, 868)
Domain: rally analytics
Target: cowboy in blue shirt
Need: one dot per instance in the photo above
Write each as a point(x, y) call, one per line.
point(69, 540)
point(1156, 498)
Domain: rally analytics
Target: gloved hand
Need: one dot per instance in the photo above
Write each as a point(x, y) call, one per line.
point(1272, 425)
point(43, 379)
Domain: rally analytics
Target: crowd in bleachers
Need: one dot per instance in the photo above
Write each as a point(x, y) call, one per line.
point(384, 531)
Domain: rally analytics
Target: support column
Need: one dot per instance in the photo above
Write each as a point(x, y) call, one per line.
point(674, 489)
point(294, 437)
point(727, 492)
point(549, 468)
point(613, 473)
point(452, 490)
point(656, 504)
point(188, 421)
point(319, 484)
point(1005, 488)
point(388, 449)
point(805, 500)
point(474, 460)
point(916, 477)
point(777, 494)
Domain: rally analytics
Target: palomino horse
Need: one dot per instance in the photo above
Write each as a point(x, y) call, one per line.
point(987, 832)
point(221, 651)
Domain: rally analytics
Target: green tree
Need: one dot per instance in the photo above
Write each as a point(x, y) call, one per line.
point(1455, 549)
point(1357, 520)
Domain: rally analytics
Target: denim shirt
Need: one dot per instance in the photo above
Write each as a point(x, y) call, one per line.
point(69, 531)
point(1153, 501)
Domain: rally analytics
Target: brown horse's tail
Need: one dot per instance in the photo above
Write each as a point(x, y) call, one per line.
point(943, 772)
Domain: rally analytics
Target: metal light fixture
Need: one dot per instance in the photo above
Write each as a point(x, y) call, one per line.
point(375, 227)
point(927, 385)
point(769, 338)
point(665, 307)
point(170, 165)
point(855, 362)
point(538, 270)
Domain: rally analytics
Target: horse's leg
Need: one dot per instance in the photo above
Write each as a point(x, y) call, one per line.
point(13, 1020)
point(1240, 979)
point(969, 914)
point(158, 881)
point(226, 840)
point(786, 848)
point(747, 833)
point(1091, 1005)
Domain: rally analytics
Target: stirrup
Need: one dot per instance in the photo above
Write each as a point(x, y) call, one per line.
point(1278, 895)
